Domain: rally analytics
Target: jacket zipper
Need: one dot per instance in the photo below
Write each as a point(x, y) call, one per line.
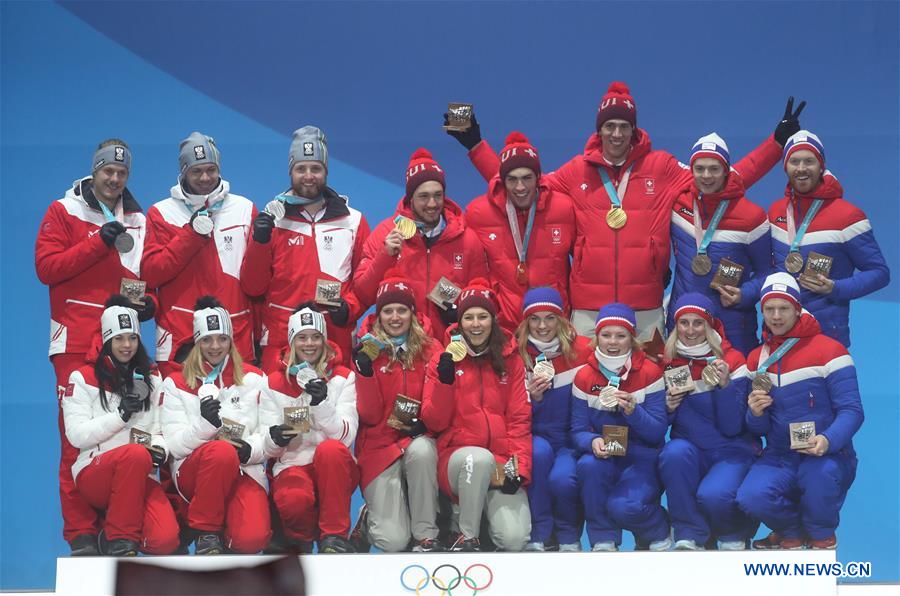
point(487, 421)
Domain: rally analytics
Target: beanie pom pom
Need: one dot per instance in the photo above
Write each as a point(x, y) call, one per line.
point(207, 302)
point(516, 137)
point(618, 87)
point(394, 273)
point(421, 153)
point(118, 300)
point(480, 281)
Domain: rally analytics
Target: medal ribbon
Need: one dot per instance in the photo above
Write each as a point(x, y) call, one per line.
point(777, 355)
point(611, 190)
point(108, 215)
point(295, 368)
point(215, 373)
point(707, 236)
point(521, 241)
point(612, 377)
point(795, 237)
point(293, 200)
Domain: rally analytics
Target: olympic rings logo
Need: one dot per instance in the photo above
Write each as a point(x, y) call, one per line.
point(445, 582)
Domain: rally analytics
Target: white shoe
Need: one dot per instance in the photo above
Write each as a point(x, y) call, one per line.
point(605, 546)
point(661, 545)
point(687, 545)
point(573, 547)
point(732, 545)
point(534, 547)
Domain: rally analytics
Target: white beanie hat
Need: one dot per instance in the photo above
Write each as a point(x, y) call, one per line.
point(212, 321)
point(119, 320)
point(306, 318)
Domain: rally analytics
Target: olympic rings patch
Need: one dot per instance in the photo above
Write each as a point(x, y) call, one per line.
point(442, 578)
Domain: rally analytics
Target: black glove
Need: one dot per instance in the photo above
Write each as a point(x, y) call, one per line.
point(363, 362)
point(415, 429)
point(145, 312)
point(339, 314)
point(158, 455)
point(209, 409)
point(467, 138)
point(244, 450)
point(511, 485)
point(790, 123)
point(277, 434)
point(262, 227)
point(446, 369)
point(317, 390)
point(110, 230)
point(449, 316)
point(131, 403)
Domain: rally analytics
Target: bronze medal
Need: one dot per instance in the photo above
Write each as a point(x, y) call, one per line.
point(710, 375)
point(124, 242)
point(544, 369)
point(762, 382)
point(607, 397)
point(522, 274)
point(793, 262)
point(616, 218)
point(405, 226)
point(701, 264)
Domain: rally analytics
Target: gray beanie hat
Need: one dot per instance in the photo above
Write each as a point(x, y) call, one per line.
point(111, 154)
point(197, 149)
point(308, 144)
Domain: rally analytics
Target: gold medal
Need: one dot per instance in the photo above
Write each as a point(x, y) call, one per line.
point(457, 349)
point(710, 375)
point(405, 226)
point(522, 274)
point(616, 217)
point(701, 264)
point(793, 262)
point(762, 382)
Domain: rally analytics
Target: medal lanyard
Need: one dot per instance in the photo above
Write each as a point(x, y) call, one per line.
point(795, 237)
point(777, 355)
point(612, 377)
point(703, 242)
point(520, 241)
point(215, 373)
point(108, 215)
point(611, 190)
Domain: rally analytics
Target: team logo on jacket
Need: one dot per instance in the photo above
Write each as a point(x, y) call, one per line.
point(596, 387)
point(492, 236)
point(457, 260)
point(686, 211)
point(329, 242)
point(307, 148)
point(504, 379)
point(199, 152)
point(229, 242)
point(212, 322)
point(781, 219)
point(119, 154)
point(295, 241)
point(649, 186)
point(70, 389)
point(556, 235)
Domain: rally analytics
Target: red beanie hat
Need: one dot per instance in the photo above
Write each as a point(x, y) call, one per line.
point(617, 104)
point(422, 168)
point(477, 293)
point(395, 289)
point(519, 153)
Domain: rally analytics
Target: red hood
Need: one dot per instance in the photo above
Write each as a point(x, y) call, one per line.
point(453, 214)
point(640, 146)
point(827, 189)
point(497, 194)
point(806, 326)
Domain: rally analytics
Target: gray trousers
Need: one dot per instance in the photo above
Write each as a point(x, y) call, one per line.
point(508, 516)
point(647, 321)
point(404, 497)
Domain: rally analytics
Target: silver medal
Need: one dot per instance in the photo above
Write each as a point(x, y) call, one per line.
point(203, 225)
point(305, 375)
point(124, 242)
point(275, 208)
point(207, 391)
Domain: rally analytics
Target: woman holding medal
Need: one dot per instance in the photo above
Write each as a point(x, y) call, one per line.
point(618, 427)
point(553, 353)
point(805, 400)
point(209, 420)
point(314, 472)
point(397, 458)
point(111, 415)
point(823, 240)
point(475, 398)
point(708, 453)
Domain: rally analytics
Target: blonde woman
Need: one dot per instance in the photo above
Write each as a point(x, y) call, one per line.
point(314, 473)
point(223, 481)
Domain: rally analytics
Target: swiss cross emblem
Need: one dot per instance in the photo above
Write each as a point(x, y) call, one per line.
point(402, 286)
point(457, 260)
point(530, 152)
point(556, 235)
point(649, 186)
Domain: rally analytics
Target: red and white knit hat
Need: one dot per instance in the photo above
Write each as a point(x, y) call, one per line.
point(519, 153)
point(477, 293)
point(395, 288)
point(422, 168)
point(617, 104)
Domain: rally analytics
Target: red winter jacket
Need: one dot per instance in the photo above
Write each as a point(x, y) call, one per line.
point(377, 444)
point(183, 265)
point(456, 255)
point(81, 270)
point(626, 265)
point(480, 409)
point(547, 259)
point(286, 268)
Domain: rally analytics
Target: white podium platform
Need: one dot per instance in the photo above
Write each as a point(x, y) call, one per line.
point(789, 573)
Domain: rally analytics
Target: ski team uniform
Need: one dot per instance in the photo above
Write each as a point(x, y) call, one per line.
point(300, 252)
point(795, 494)
point(82, 272)
point(182, 266)
point(221, 493)
point(112, 473)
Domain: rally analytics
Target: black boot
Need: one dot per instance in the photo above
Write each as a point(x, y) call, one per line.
point(84, 545)
point(359, 537)
point(119, 547)
point(335, 544)
point(208, 543)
